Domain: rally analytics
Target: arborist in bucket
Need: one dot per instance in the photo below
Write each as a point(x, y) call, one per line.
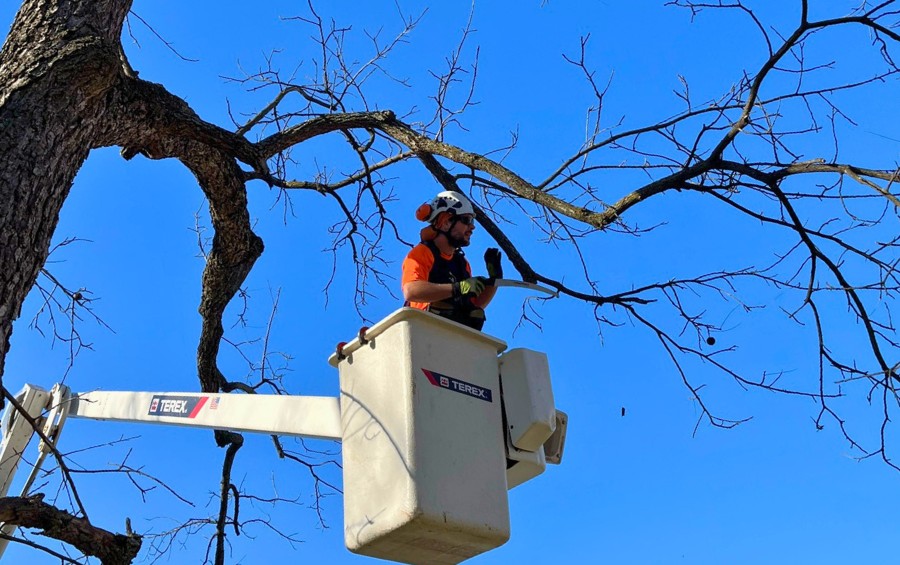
point(436, 275)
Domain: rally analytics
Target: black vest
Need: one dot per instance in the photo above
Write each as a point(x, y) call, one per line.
point(459, 309)
point(447, 270)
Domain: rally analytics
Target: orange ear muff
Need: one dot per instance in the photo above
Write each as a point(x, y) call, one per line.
point(423, 212)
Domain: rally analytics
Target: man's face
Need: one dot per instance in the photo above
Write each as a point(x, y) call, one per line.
point(461, 232)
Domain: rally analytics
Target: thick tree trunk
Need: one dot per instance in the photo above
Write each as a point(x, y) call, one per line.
point(57, 66)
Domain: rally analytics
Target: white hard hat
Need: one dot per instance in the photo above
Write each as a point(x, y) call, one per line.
point(447, 201)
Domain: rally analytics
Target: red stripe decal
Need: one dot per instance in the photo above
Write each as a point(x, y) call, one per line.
point(199, 405)
point(431, 378)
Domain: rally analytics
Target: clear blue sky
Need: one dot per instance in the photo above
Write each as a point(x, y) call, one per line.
point(637, 488)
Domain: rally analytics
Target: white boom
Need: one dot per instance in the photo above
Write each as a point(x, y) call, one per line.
point(316, 417)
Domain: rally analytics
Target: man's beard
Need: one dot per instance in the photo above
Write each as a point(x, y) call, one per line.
point(457, 242)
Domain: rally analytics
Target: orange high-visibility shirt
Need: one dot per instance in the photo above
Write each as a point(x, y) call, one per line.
point(417, 267)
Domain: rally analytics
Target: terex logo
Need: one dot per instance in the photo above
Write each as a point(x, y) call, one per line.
point(456, 385)
point(176, 406)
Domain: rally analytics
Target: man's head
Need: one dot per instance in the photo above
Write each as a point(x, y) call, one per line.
point(450, 214)
point(457, 228)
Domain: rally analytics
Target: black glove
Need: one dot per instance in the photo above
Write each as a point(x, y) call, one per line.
point(492, 259)
point(472, 286)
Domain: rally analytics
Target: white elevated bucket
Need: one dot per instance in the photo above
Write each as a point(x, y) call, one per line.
point(423, 447)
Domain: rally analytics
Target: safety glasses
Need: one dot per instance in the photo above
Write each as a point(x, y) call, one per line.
point(466, 220)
